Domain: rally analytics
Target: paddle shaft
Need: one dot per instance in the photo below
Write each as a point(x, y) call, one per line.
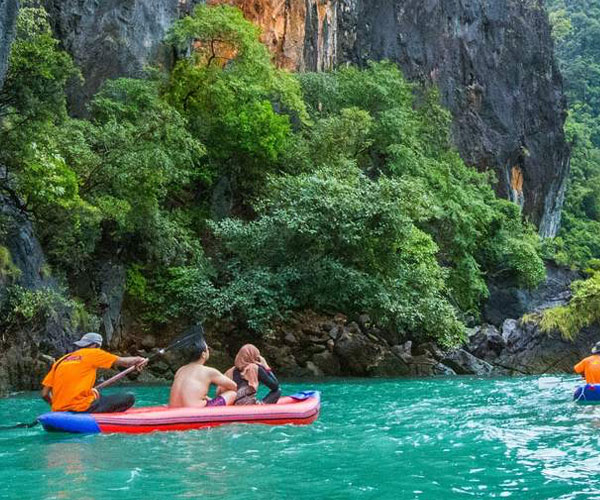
point(196, 332)
point(556, 363)
point(126, 372)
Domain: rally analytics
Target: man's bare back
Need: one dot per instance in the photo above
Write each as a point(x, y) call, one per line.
point(192, 382)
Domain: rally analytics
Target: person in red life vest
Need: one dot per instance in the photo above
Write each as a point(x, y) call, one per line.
point(69, 385)
point(590, 366)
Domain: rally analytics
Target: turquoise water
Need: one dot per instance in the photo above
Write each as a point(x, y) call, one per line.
point(449, 438)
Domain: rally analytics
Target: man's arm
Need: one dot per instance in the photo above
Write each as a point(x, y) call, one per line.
point(580, 367)
point(126, 362)
point(220, 380)
point(47, 394)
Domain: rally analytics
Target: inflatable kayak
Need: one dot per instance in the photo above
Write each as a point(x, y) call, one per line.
point(300, 409)
point(587, 394)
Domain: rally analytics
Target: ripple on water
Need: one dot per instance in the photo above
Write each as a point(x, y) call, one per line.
point(438, 438)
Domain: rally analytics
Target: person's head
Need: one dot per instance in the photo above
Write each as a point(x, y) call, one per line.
point(248, 354)
point(198, 351)
point(596, 348)
point(90, 339)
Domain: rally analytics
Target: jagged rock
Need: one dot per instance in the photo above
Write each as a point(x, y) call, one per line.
point(364, 321)
point(403, 349)
point(111, 277)
point(313, 370)
point(442, 369)
point(423, 366)
point(334, 333)
point(531, 351)
point(357, 354)
point(160, 367)
point(486, 342)
point(327, 363)
point(24, 351)
point(353, 327)
point(507, 300)
point(290, 338)
point(112, 38)
point(313, 339)
point(464, 363)
point(429, 348)
point(8, 16)
point(149, 341)
point(391, 365)
point(340, 319)
point(327, 326)
point(316, 348)
point(510, 330)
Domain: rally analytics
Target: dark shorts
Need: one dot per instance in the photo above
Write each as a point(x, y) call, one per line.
point(218, 401)
point(112, 403)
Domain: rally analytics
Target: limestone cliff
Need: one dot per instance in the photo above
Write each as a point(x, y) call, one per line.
point(27, 346)
point(8, 15)
point(492, 60)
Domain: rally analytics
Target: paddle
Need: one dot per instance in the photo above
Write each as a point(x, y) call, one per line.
point(547, 382)
point(185, 339)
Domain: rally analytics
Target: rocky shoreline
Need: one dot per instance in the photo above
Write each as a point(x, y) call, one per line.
point(324, 347)
point(321, 345)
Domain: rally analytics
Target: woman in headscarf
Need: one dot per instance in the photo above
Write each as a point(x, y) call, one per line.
point(250, 369)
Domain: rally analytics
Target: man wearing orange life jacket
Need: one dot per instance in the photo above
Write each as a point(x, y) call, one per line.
point(590, 366)
point(69, 385)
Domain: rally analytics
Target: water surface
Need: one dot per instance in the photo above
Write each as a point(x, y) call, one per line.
point(449, 438)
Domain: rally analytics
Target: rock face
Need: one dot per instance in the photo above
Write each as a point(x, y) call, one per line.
point(507, 300)
point(112, 38)
point(8, 16)
point(492, 61)
point(25, 351)
point(518, 346)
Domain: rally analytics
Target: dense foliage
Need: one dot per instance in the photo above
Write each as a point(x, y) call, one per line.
point(576, 27)
point(232, 189)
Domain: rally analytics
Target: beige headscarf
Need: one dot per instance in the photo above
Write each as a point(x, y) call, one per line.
point(247, 361)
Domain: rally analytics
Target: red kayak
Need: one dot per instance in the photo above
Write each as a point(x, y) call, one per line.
point(299, 409)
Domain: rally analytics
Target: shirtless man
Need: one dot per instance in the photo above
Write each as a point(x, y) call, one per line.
point(192, 381)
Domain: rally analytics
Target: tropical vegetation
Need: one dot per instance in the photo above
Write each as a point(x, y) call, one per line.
point(235, 190)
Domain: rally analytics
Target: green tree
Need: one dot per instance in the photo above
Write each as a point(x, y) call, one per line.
point(238, 104)
point(395, 128)
point(576, 29)
point(335, 241)
point(582, 310)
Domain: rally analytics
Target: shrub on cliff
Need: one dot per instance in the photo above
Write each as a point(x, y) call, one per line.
point(582, 310)
point(237, 102)
point(376, 213)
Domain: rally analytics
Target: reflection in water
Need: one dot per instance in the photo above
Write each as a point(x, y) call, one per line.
point(67, 469)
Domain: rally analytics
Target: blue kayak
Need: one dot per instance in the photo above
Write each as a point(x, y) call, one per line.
point(588, 394)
